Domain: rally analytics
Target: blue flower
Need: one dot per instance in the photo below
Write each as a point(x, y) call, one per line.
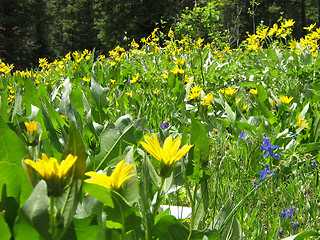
point(163, 125)
point(295, 225)
point(149, 130)
point(268, 148)
point(241, 136)
point(287, 213)
point(266, 173)
point(314, 164)
point(294, 137)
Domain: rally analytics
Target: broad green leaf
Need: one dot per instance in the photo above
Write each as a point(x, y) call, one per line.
point(114, 139)
point(82, 229)
point(303, 235)
point(168, 227)
point(12, 152)
point(36, 209)
point(4, 228)
point(200, 140)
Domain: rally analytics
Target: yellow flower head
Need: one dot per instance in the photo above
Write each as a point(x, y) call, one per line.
point(195, 92)
point(115, 180)
point(301, 123)
point(229, 91)
point(171, 34)
point(53, 172)
point(254, 91)
point(207, 100)
point(245, 107)
point(167, 155)
point(135, 78)
point(31, 126)
point(177, 70)
point(86, 79)
point(285, 99)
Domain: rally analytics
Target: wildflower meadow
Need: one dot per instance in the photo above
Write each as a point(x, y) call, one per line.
point(166, 139)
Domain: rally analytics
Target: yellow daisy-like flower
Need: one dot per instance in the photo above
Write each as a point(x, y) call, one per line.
point(31, 126)
point(310, 27)
point(228, 91)
point(52, 172)
point(301, 122)
point(115, 180)
point(167, 155)
point(195, 92)
point(135, 79)
point(86, 79)
point(171, 34)
point(254, 91)
point(285, 99)
point(245, 107)
point(207, 100)
point(177, 70)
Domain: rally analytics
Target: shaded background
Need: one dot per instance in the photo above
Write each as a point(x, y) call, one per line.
point(33, 29)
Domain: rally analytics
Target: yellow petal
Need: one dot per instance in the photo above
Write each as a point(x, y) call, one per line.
point(99, 179)
point(182, 152)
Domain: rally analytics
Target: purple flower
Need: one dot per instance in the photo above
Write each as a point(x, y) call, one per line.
point(241, 136)
point(295, 225)
point(268, 148)
point(163, 125)
point(287, 212)
point(266, 173)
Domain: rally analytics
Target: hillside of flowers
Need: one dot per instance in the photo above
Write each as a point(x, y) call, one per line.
point(169, 139)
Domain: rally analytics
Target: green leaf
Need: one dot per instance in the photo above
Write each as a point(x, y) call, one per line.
point(115, 138)
point(303, 235)
point(230, 114)
point(266, 112)
point(101, 193)
point(168, 227)
point(12, 152)
point(200, 140)
point(4, 229)
point(35, 209)
point(82, 229)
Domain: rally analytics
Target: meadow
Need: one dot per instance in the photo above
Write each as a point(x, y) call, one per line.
point(217, 143)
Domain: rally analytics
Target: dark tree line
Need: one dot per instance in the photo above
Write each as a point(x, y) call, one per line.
point(33, 29)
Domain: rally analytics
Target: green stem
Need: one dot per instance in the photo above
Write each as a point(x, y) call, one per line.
point(52, 218)
point(193, 204)
point(159, 198)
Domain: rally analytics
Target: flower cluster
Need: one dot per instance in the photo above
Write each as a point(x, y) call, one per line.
point(268, 148)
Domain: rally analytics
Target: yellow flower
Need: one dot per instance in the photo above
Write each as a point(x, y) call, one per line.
point(167, 155)
point(285, 99)
point(170, 34)
point(53, 172)
point(135, 79)
point(129, 94)
point(288, 23)
point(188, 79)
point(115, 180)
point(244, 107)
point(177, 70)
point(254, 91)
point(310, 27)
point(86, 79)
point(112, 80)
point(207, 100)
point(301, 123)
point(194, 92)
point(273, 103)
point(31, 126)
point(229, 91)
point(155, 91)
point(134, 44)
point(165, 76)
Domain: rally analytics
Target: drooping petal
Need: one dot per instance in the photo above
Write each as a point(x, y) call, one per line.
point(66, 164)
point(152, 146)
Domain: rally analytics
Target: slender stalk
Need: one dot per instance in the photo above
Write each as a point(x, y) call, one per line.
point(159, 198)
point(193, 204)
